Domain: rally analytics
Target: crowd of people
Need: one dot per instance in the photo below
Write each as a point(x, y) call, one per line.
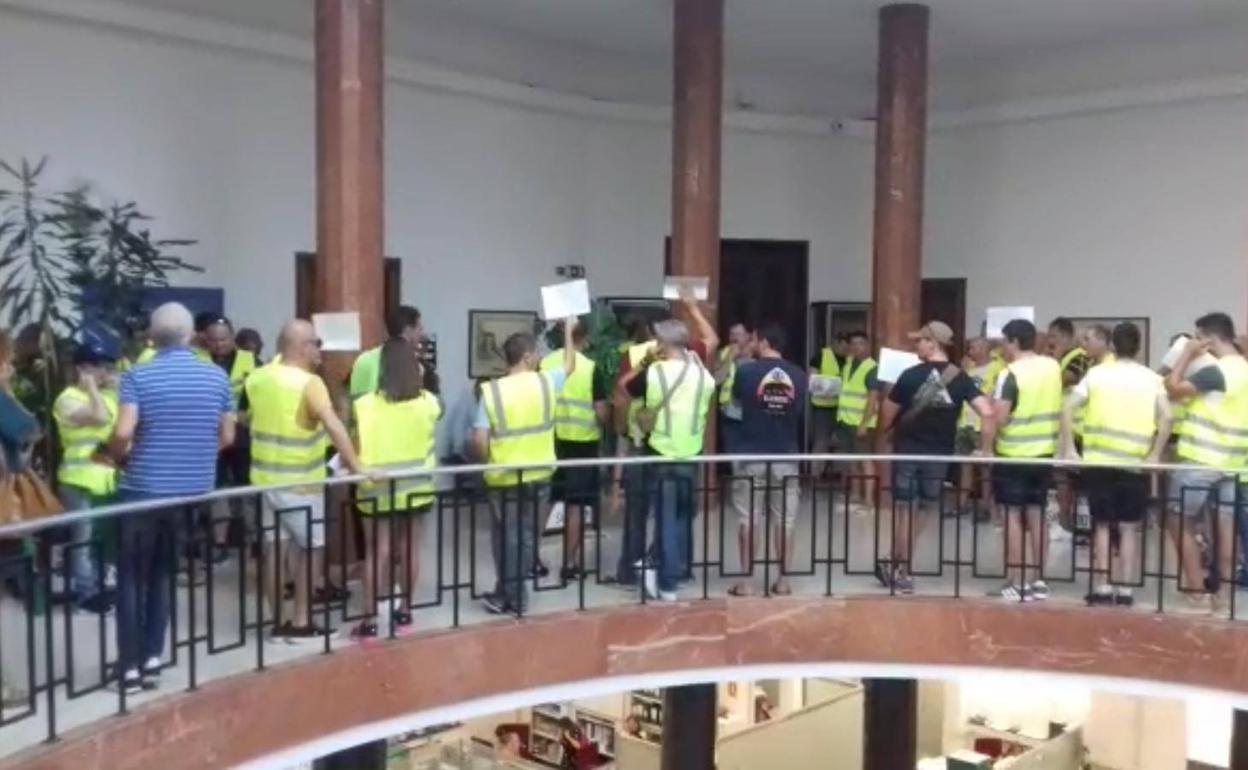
point(199, 409)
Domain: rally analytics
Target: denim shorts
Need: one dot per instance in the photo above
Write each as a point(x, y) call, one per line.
point(921, 481)
point(1195, 490)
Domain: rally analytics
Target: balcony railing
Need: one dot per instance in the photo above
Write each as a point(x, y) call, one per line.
point(59, 664)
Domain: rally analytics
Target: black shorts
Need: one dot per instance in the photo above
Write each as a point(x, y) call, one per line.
point(576, 486)
point(1115, 495)
point(1020, 484)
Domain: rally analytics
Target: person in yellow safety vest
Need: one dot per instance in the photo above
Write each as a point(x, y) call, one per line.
point(403, 323)
point(1098, 344)
point(1126, 423)
point(395, 432)
point(980, 365)
point(1215, 437)
point(631, 394)
point(217, 339)
point(250, 340)
point(1178, 409)
point(1027, 411)
point(580, 411)
point(85, 413)
point(292, 424)
point(678, 391)
point(515, 425)
point(740, 348)
point(1074, 362)
point(856, 416)
point(828, 362)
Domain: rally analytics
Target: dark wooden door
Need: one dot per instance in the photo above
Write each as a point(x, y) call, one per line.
point(944, 299)
point(764, 282)
point(305, 284)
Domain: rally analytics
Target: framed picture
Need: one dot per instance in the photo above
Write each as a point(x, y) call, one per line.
point(487, 331)
point(1141, 323)
point(630, 310)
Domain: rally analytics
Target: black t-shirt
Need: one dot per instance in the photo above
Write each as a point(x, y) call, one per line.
point(772, 393)
point(933, 430)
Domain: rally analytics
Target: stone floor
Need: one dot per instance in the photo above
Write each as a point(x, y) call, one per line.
point(825, 525)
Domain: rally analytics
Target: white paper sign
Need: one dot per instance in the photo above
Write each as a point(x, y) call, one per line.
point(893, 363)
point(825, 387)
point(339, 332)
point(700, 286)
point(998, 317)
point(565, 300)
point(1172, 357)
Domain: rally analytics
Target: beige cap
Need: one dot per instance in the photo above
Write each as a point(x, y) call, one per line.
point(934, 330)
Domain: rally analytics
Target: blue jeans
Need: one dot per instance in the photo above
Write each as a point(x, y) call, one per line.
point(671, 487)
point(633, 545)
point(513, 538)
point(83, 570)
point(145, 559)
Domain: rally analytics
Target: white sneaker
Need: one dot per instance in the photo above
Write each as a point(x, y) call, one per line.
point(667, 596)
point(152, 667)
point(650, 580)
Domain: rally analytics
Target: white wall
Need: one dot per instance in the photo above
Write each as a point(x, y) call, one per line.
point(484, 199)
point(1137, 212)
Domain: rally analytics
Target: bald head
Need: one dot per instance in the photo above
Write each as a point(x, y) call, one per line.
point(172, 326)
point(298, 344)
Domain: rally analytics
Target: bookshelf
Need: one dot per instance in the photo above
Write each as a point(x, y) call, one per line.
point(647, 706)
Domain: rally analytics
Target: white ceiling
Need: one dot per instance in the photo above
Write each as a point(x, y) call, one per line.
point(804, 56)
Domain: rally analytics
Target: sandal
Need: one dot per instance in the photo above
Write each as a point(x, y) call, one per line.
point(781, 589)
point(401, 618)
point(367, 629)
point(740, 590)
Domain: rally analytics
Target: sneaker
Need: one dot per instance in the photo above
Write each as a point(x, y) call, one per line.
point(329, 594)
point(1011, 593)
point(1099, 599)
point(571, 574)
point(100, 604)
point(903, 583)
point(539, 570)
point(1039, 590)
point(650, 581)
point(881, 574)
point(292, 634)
point(131, 682)
point(366, 629)
point(1196, 603)
point(401, 618)
point(495, 604)
point(1124, 598)
point(151, 669)
point(667, 596)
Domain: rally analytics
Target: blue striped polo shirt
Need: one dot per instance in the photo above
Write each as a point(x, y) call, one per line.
point(180, 401)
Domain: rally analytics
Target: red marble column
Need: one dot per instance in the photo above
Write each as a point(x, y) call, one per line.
point(900, 143)
point(697, 119)
point(349, 193)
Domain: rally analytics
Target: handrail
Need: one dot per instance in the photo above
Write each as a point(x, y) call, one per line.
point(20, 529)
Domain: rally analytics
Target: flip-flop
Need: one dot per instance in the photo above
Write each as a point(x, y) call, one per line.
point(779, 590)
point(739, 591)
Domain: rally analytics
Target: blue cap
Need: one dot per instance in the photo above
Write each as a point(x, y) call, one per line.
point(93, 351)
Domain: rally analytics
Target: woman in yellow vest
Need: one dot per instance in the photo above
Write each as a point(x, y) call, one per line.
point(1126, 423)
point(1028, 409)
point(85, 413)
point(395, 428)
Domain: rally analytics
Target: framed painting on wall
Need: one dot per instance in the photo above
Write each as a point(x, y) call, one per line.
point(1141, 323)
point(487, 331)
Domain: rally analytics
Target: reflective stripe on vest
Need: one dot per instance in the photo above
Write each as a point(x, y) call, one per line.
point(1215, 431)
point(520, 408)
point(575, 419)
point(1121, 414)
point(853, 400)
point(680, 426)
point(1081, 412)
point(397, 437)
point(79, 443)
point(1032, 429)
point(282, 450)
point(829, 366)
point(730, 408)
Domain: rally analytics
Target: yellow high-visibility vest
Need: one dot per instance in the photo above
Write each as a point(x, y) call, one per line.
point(282, 451)
point(730, 408)
point(149, 353)
point(521, 411)
point(1033, 426)
point(79, 443)
point(1215, 432)
point(679, 427)
point(397, 436)
point(829, 366)
point(575, 418)
point(853, 402)
point(1070, 356)
point(244, 364)
point(1121, 414)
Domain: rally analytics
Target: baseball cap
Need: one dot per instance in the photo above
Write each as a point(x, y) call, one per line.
point(938, 331)
point(93, 353)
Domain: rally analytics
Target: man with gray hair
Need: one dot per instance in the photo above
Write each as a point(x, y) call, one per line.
point(677, 390)
point(176, 413)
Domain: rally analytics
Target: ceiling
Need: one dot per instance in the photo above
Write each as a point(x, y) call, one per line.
point(802, 56)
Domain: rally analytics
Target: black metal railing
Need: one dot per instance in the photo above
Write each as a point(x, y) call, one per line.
point(652, 531)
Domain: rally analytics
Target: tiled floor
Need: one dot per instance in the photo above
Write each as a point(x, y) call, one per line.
point(714, 534)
